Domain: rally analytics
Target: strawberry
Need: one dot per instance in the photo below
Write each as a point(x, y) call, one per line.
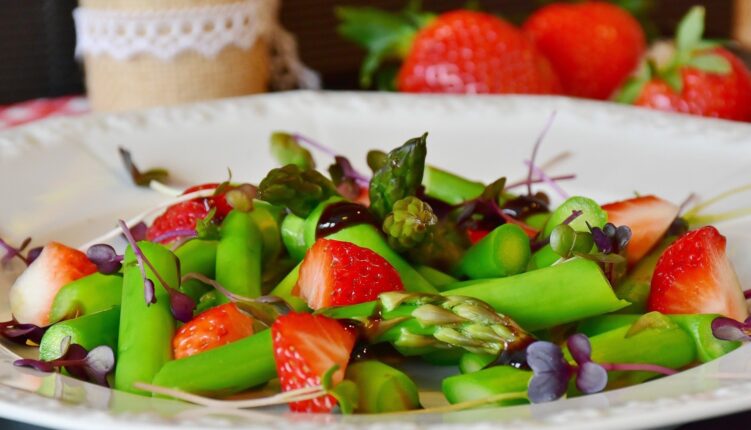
point(476, 235)
point(305, 347)
point(212, 328)
point(456, 52)
point(473, 52)
point(649, 217)
point(32, 294)
point(695, 77)
point(694, 276)
point(185, 215)
point(593, 46)
point(335, 273)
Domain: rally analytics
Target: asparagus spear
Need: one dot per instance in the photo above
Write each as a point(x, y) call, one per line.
point(437, 278)
point(197, 256)
point(268, 219)
point(485, 383)
point(547, 297)
point(503, 252)
point(224, 370)
point(292, 230)
point(238, 255)
point(636, 285)
point(381, 388)
point(145, 335)
point(90, 294)
point(448, 187)
point(89, 331)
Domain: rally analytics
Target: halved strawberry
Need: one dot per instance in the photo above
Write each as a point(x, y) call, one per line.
point(335, 273)
point(649, 217)
point(306, 346)
point(32, 294)
point(212, 328)
point(476, 235)
point(695, 276)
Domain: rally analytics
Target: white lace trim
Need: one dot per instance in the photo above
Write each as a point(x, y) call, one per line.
point(206, 30)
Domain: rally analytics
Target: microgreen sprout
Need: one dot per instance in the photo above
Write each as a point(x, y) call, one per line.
point(142, 179)
point(241, 197)
point(181, 304)
point(695, 217)
point(552, 372)
point(92, 365)
point(611, 239)
point(12, 252)
point(347, 169)
point(535, 148)
point(20, 333)
point(729, 329)
point(105, 258)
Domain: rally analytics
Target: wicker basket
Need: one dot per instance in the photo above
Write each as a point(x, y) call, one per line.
point(145, 80)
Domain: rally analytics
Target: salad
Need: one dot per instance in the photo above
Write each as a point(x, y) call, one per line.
point(331, 283)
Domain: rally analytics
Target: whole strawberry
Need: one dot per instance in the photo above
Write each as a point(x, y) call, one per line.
point(700, 78)
point(456, 52)
point(593, 46)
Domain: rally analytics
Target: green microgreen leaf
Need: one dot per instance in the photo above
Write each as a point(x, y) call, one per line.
point(346, 395)
point(690, 29)
point(711, 63)
point(206, 228)
point(286, 149)
point(142, 179)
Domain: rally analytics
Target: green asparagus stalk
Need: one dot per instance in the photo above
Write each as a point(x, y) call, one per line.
point(227, 369)
point(381, 388)
point(437, 278)
point(197, 256)
point(472, 362)
point(485, 383)
point(268, 219)
point(292, 230)
point(145, 335)
point(238, 255)
point(448, 187)
point(503, 252)
point(698, 327)
point(636, 285)
point(90, 294)
point(89, 331)
point(566, 292)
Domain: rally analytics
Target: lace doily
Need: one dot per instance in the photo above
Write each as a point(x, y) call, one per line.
point(206, 30)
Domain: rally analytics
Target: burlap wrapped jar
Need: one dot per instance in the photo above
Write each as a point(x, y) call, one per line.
point(145, 79)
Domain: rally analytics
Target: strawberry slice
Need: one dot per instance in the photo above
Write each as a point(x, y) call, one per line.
point(212, 328)
point(32, 294)
point(184, 216)
point(335, 273)
point(694, 276)
point(649, 218)
point(306, 346)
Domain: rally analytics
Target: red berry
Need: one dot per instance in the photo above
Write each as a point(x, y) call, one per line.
point(335, 273)
point(473, 52)
point(649, 218)
point(215, 327)
point(695, 276)
point(593, 46)
point(306, 346)
point(726, 96)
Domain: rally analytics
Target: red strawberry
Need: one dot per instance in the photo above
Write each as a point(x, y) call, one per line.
point(473, 52)
point(694, 77)
point(183, 216)
point(476, 235)
point(32, 294)
point(719, 95)
point(335, 273)
point(212, 328)
point(694, 276)
point(649, 217)
point(305, 347)
point(593, 46)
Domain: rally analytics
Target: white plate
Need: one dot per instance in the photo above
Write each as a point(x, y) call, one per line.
point(62, 179)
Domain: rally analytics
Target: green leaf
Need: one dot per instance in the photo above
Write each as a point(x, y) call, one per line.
point(494, 191)
point(206, 228)
point(400, 177)
point(690, 29)
point(674, 79)
point(711, 63)
point(327, 380)
point(630, 91)
point(346, 395)
point(142, 179)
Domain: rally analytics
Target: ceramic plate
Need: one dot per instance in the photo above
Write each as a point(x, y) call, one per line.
point(62, 179)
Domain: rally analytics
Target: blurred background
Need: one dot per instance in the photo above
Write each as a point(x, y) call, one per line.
point(37, 37)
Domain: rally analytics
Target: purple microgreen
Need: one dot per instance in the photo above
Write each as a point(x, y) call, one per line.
point(20, 333)
point(264, 309)
point(175, 235)
point(310, 142)
point(179, 302)
point(574, 215)
point(580, 348)
point(342, 170)
point(105, 258)
point(610, 239)
point(678, 227)
point(139, 231)
point(142, 179)
point(547, 179)
point(591, 377)
point(638, 367)
point(729, 329)
point(747, 294)
point(340, 161)
point(12, 252)
point(224, 186)
point(535, 149)
point(92, 365)
point(526, 182)
point(551, 372)
point(690, 199)
point(241, 197)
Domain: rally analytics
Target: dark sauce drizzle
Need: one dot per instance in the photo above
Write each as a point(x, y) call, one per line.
point(340, 215)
